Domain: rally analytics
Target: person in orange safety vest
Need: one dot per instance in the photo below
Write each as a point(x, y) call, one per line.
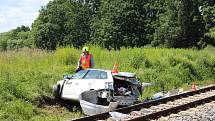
point(86, 60)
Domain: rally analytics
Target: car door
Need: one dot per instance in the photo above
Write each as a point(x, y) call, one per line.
point(71, 88)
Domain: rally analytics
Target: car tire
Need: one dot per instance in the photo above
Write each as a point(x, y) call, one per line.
point(56, 92)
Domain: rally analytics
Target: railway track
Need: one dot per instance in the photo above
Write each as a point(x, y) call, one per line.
point(161, 107)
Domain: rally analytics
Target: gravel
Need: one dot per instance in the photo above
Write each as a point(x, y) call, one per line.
point(205, 112)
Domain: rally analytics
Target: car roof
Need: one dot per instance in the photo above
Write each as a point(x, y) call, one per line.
point(127, 74)
point(99, 69)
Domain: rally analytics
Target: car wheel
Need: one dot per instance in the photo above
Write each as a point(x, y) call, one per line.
point(56, 91)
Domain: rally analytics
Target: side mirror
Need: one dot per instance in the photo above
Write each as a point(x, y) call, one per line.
point(65, 76)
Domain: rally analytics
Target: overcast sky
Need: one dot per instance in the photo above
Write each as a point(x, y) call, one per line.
point(14, 13)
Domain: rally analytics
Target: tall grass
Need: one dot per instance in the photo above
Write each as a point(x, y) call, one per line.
point(25, 76)
point(29, 74)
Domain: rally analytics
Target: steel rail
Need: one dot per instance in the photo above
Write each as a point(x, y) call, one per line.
point(173, 109)
point(103, 116)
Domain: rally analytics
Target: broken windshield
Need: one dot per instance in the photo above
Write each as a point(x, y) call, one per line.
point(96, 74)
point(80, 74)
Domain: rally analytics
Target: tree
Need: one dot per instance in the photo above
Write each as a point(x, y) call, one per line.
point(62, 22)
point(77, 25)
point(207, 9)
point(128, 23)
point(166, 26)
point(93, 5)
point(120, 23)
point(190, 24)
point(180, 25)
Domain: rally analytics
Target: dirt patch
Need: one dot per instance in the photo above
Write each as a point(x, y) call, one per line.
point(44, 100)
point(53, 109)
point(49, 104)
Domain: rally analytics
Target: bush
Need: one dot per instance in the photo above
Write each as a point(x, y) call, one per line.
point(3, 45)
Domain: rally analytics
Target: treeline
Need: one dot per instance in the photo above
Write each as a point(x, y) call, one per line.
point(16, 38)
point(124, 23)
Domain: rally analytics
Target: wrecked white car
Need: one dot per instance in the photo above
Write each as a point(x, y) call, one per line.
point(122, 87)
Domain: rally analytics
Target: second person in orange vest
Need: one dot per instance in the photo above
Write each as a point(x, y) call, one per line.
point(86, 60)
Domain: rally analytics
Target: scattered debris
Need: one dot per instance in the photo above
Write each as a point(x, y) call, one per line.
point(169, 93)
point(89, 103)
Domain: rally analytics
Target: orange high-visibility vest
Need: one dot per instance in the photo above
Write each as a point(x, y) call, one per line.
point(85, 62)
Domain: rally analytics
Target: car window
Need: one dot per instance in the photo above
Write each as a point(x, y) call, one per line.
point(96, 74)
point(103, 75)
point(80, 74)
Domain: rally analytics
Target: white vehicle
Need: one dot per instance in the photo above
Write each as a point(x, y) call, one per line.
point(122, 87)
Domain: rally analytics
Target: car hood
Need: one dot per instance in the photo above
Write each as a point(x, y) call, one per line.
point(124, 74)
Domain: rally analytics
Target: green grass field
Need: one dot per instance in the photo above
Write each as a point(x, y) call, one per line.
point(27, 75)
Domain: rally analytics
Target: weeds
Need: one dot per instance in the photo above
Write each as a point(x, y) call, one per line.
point(28, 74)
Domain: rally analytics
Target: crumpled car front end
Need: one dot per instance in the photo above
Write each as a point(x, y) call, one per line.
point(124, 91)
point(127, 88)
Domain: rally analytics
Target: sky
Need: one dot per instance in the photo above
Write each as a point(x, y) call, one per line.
point(14, 13)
